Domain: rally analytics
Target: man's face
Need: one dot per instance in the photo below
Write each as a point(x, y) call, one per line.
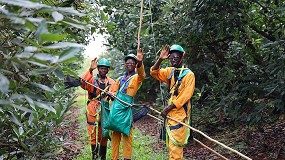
point(103, 71)
point(130, 65)
point(175, 59)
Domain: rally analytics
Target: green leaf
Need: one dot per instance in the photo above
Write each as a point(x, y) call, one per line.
point(44, 87)
point(38, 64)
point(50, 37)
point(68, 71)
point(43, 71)
point(30, 101)
point(24, 3)
point(4, 102)
point(16, 131)
point(22, 108)
point(4, 83)
point(69, 53)
point(42, 28)
point(44, 106)
point(46, 57)
point(14, 118)
point(59, 74)
point(68, 10)
point(21, 130)
point(64, 45)
point(57, 16)
point(30, 26)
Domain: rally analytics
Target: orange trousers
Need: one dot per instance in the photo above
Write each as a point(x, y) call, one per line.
point(92, 132)
point(127, 144)
point(176, 152)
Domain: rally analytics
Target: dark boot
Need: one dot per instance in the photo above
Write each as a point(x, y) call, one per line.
point(102, 152)
point(94, 151)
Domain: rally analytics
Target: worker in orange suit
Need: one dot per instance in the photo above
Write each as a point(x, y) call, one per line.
point(181, 83)
point(101, 80)
point(128, 85)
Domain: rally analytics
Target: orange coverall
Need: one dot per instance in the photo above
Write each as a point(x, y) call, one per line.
point(93, 107)
point(185, 92)
point(131, 90)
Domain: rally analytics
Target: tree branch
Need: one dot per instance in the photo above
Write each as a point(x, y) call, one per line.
point(269, 37)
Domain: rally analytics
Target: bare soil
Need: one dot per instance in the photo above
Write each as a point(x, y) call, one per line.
point(267, 143)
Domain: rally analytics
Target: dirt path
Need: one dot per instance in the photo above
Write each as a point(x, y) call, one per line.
point(265, 144)
point(149, 126)
point(268, 143)
point(72, 147)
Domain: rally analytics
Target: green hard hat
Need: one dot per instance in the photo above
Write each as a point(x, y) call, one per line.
point(131, 56)
point(103, 62)
point(176, 47)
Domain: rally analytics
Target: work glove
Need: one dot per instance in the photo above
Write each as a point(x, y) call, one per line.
point(166, 110)
point(70, 81)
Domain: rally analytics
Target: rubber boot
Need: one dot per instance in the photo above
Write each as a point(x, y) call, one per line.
point(94, 151)
point(102, 152)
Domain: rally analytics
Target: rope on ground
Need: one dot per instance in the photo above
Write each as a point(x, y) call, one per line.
point(218, 154)
point(209, 138)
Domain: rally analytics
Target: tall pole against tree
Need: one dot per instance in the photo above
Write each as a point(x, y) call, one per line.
point(139, 32)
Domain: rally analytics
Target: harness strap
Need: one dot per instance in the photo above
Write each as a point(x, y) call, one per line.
point(124, 86)
point(93, 123)
point(93, 94)
point(176, 126)
point(174, 91)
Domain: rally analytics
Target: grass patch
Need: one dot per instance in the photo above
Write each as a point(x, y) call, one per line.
point(86, 152)
point(142, 149)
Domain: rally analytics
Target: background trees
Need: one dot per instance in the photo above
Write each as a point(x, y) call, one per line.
point(235, 48)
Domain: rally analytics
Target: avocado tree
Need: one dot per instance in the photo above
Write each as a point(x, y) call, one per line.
point(235, 49)
point(41, 41)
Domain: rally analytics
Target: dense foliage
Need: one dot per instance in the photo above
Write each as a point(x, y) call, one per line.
point(235, 48)
point(41, 41)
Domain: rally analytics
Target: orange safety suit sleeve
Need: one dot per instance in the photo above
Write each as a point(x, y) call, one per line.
point(161, 74)
point(89, 78)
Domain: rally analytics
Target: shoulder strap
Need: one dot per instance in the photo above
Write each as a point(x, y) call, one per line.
point(124, 86)
point(179, 79)
point(184, 72)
